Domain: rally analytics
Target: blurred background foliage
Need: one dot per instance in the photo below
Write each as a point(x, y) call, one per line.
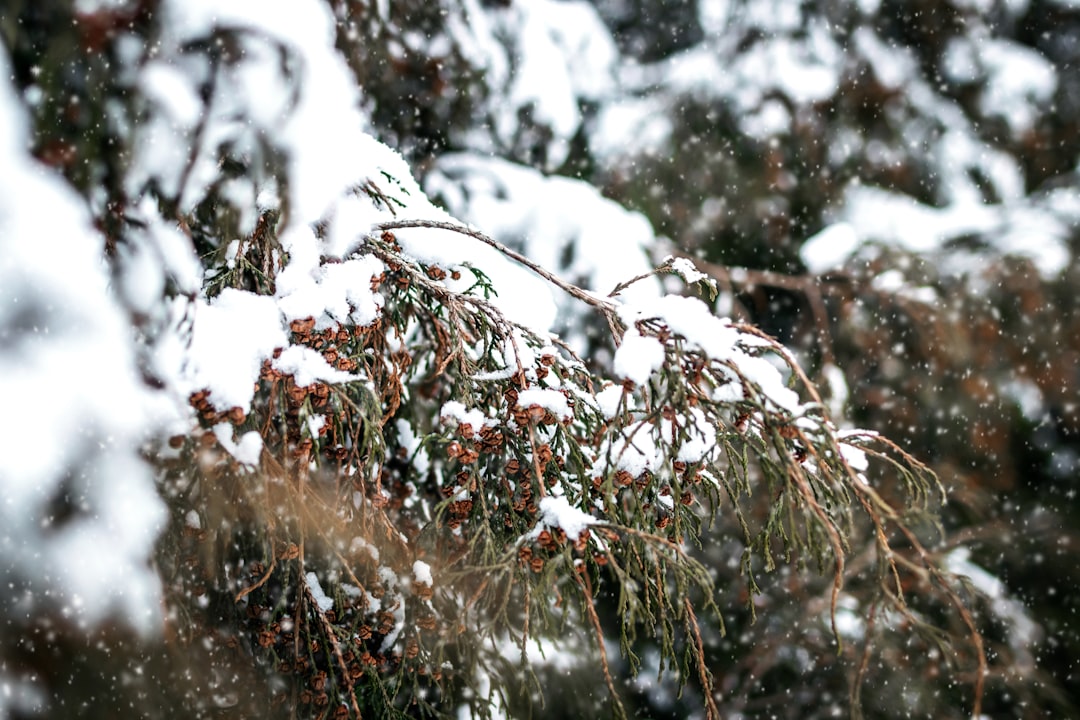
point(965, 348)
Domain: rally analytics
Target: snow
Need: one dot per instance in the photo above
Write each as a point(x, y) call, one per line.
point(798, 62)
point(585, 46)
point(889, 281)
point(838, 389)
point(560, 53)
point(874, 214)
point(246, 451)
point(551, 400)
point(638, 357)
point(93, 6)
point(192, 520)
point(1019, 81)
point(521, 296)
point(411, 444)
point(76, 408)
point(800, 73)
point(315, 423)
point(171, 89)
point(557, 512)
point(899, 219)
point(718, 340)
point(631, 126)
point(829, 248)
point(454, 410)
point(687, 270)
point(69, 362)
point(396, 607)
point(701, 438)
point(1027, 396)
point(308, 366)
point(563, 654)
point(359, 543)
point(633, 450)
point(422, 573)
point(1022, 628)
point(232, 336)
point(322, 120)
point(170, 245)
point(590, 241)
point(714, 16)
point(789, 60)
point(774, 16)
point(771, 118)
point(1038, 235)
point(892, 66)
point(142, 279)
point(849, 620)
point(541, 79)
point(608, 399)
point(315, 588)
point(854, 457)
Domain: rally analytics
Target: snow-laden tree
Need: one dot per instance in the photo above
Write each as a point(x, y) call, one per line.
point(409, 470)
point(920, 161)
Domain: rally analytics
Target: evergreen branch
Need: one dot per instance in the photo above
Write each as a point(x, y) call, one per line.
point(605, 306)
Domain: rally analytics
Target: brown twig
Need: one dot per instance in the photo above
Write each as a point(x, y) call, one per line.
point(601, 304)
point(965, 615)
point(262, 581)
point(808, 285)
point(586, 591)
point(331, 637)
point(711, 710)
point(855, 696)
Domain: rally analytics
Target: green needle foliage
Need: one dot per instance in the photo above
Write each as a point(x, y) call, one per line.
point(406, 538)
point(460, 502)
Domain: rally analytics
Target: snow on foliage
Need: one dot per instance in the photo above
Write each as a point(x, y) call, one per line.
point(231, 336)
point(768, 65)
point(563, 224)
point(558, 55)
point(638, 357)
point(399, 401)
point(354, 299)
point(321, 122)
point(77, 502)
point(309, 109)
point(1017, 82)
point(900, 221)
point(719, 340)
point(557, 512)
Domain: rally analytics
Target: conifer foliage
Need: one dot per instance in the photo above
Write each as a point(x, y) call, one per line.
point(371, 461)
point(467, 491)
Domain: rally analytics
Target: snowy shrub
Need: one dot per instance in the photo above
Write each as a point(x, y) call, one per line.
point(422, 476)
point(79, 509)
point(410, 465)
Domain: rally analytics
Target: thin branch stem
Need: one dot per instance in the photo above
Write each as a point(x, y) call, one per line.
point(711, 711)
point(605, 306)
